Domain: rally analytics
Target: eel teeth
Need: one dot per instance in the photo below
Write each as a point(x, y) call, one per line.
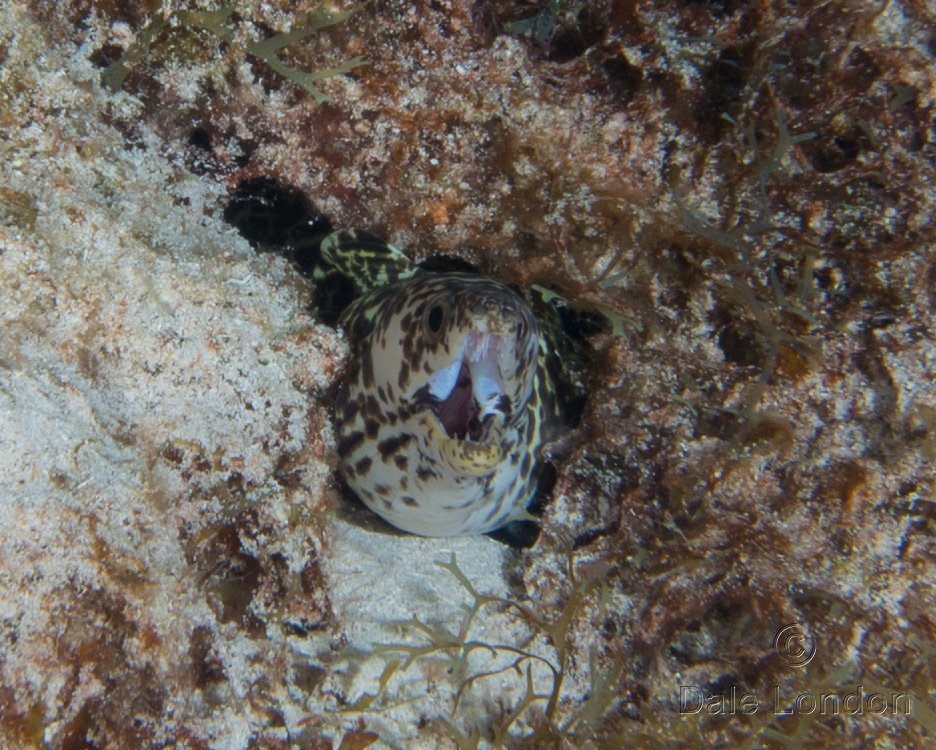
point(470, 390)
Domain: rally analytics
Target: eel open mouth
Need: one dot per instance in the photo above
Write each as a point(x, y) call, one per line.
point(470, 391)
point(459, 412)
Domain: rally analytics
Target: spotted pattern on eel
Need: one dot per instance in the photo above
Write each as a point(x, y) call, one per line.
point(444, 407)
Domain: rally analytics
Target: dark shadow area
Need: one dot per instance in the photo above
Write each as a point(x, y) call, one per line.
point(274, 217)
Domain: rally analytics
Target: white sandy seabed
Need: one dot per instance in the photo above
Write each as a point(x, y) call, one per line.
point(134, 319)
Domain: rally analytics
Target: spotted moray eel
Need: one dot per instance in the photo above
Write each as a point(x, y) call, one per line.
point(445, 405)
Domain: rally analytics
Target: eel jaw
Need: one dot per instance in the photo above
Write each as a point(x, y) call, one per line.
point(470, 392)
point(470, 459)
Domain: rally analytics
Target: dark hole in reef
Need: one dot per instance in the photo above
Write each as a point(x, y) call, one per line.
point(580, 324)
point(572, 359)
point(105, 55)
point(272, 216)
point(624, 79)
point(833, 154)
point(722, 84)
point(546, 477)
point(200, 138)
point(572, 407)
point(447, 264)
point(592, 535)
point(916, 141)
point(825, 278)
point(200, 159)
point(718, 8)
point(864, 69)
point(566, 45)
point(517, 534)
point(906, 488)
point(332, 297)
point(570, 42)
point(738, 346)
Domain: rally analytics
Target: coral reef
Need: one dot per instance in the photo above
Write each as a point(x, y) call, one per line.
point(745, 190)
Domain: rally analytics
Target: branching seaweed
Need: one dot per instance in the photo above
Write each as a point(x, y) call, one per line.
point(315, 20)
point(756, 289)
point(455, 646)
point(266, 50)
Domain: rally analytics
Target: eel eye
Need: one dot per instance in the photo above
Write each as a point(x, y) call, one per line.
point(434, 318)
point(436, 315)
